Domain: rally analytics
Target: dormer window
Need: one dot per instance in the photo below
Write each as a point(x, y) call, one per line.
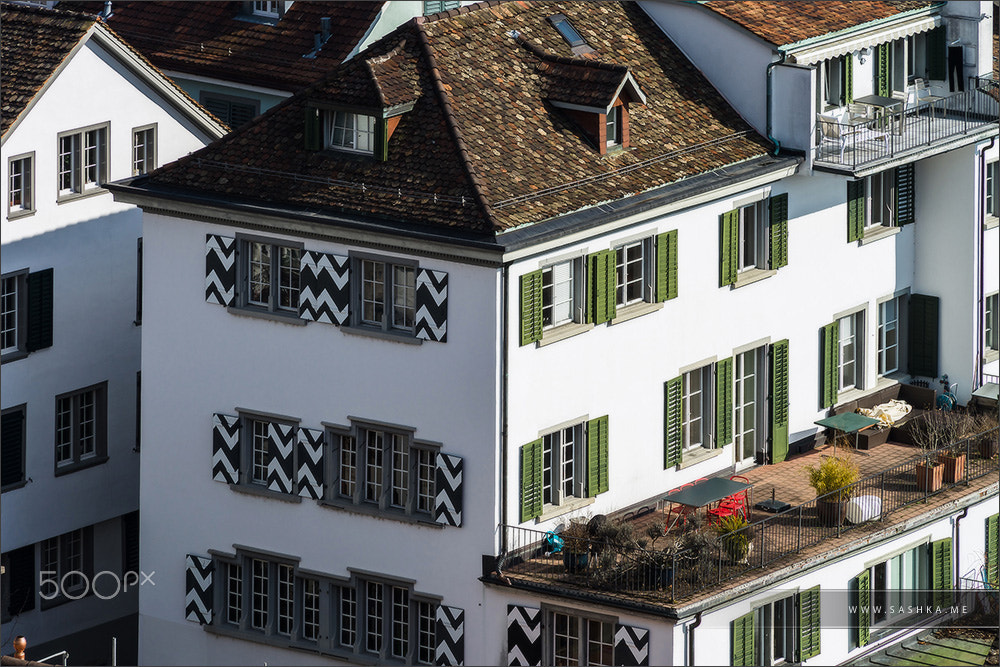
point(346, 131)
point(266, 8)
point(613, 125)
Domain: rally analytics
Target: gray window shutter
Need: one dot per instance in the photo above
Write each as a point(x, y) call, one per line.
point(531, 480)
point(281, 452)
point(666, 266)
point(198, 598)
point(724, 402)
point(39, 307)
point(226, 449)
point(855, 210)
point(779, 401)
point(631, 646)
point(778, 206)
point(531, 307)
point(809, 623)
point(324, 292)
point(672, 450)
point(450, 636)
point(831, 359)
point(220, 269)
point(313, 132)
point(432, 305)
point(11, 449)
point(310, 473)
point(448, 490)
point(729, 228)
point(922, 335)
point(524, 636)
point(906, 195)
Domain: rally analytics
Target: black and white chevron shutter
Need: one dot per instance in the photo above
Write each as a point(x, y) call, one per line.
point(310, 474)
point(432, 305)
point(448, 485)
point(220, 269)
point(198, 599)
point(450, 631)
point(324, 292)
point(226, 448)
point(631, 646)
point(524, 636)
point(281, 448)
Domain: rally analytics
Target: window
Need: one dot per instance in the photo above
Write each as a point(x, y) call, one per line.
point(881, 199)
point(81, 428)
point(633, 266)
point(781, 631)
point(991, 323)
point(775, 624)
point(836, 81)
point(25, 294)
point(233, 111)
point(851, 355)
point(83, 161)
point(270, 276)
point(17, 581)
point(440, 6)
point(143, 150)
point(753, 240)
point(21, 185)
point(883, 592)
point(65, 563)
point(268, 456)
point(613, 127)
point(348, 131)
point(749, 401)
point(696, 408)
point(11, 308)
point(562, 470)
point(566, 30)
point(890, 328)
point(992, 189)
point(12, 450)
point(754, 235)
point(269, 8)
point(388, 295)
point(578, 640)
point(560, 294)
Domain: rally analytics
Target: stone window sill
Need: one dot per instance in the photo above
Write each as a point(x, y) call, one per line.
point(394, 336)
point(563, 332)
point(284, 317)
point(877, 233)
point(553, 511)
point(626, 313)
point(751, 276)
point(696, 456)
point(369, 509)
point(25, 213)
point(80, 465)
point(254, 490)
point(991, 222)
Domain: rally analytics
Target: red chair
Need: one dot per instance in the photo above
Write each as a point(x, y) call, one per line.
point(677, 512)
point(738, 502)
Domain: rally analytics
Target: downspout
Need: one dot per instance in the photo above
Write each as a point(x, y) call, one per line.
point(980, 223)
point(770, 86)
point(958, 551)
point(504, 297)
point(691, 629)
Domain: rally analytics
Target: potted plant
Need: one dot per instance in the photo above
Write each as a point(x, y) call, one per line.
point(984, 426)
point(576, 545)
point(936, 430)
point(833, 481)
point(735, 538)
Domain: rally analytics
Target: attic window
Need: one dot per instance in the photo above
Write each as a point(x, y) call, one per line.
point(613, 122)
point(347, 131)
point(267, 8)
point(566, 29)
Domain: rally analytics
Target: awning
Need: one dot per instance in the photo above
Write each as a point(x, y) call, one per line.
point(815, 53)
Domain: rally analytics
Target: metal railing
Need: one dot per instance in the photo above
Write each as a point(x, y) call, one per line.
point(678, 573)
point(896, 132)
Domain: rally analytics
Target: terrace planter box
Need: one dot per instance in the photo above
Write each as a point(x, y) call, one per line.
point(930, 477)
point(831, 512)
point(988, 446)
point(954, 467)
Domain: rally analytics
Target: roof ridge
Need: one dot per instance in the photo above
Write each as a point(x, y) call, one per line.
point(539, 52)
point(449, 117)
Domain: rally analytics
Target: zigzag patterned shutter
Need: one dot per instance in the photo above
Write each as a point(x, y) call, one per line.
point(524, 636)
point(831, 359)
point(778, 206)
point(310, 473)
point(862, 603)
point(906, 196)
point(672, 450)
point(855, 210)
point(666, 266)
point(602, 284)
point(531, 480)
point(450, 635)
point(941, 571)
point(220, 269)
point(779, 401)
point(39, 307)
point(324, 293)
point(531, 307)
point(281, 454)
point(743, 646)
point(597, 456)
point(448, 486)
point(631, 646)
point(226, 448)
point(728, 245)
point(922, 336)
point(432, 305)
point(198, 598)
point(991, 542)
point(809, 623)
point(724, 402)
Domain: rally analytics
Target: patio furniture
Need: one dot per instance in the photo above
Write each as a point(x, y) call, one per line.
point(863, 508)
point(848, 423)
point(737, 503)
point(677, 511)
point(881, 106)
point(924, 94)
point(712, 490)
point(832, 131)
point(920, 398)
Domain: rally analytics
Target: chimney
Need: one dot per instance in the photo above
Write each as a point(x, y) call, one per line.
point(106, 13)
point(324, 28)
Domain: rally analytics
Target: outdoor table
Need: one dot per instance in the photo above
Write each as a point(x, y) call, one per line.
point(707, 492)
point(848, 422)
point(879, 102)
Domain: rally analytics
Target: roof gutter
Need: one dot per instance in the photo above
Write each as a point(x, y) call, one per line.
point(782, 56)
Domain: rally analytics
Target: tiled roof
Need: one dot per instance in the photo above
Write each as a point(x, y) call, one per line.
point(210, 39)
point(35, 42)
point(783, 22)
point(577, 80)
point(482, 150)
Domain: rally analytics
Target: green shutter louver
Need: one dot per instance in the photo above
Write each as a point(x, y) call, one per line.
point(883, 70)
point(992, 541)
point(381, 139)
point(855, 210)
point(531, 307)
point(937, 54)
point(39, 334)
point(906, 195)
point(602, 285)
point(672, 450)
point(724, 402)
point(779, 401)
point(809, 623)
point(941, 571)
point(312, 131)
point(666, 266)
point(597, 456)
point(831, 360)
point(531, 480)
point(743, 646)
point(778, 206)
point(728, 247)
point(863, 614)
point(848, 79)
point(922, 336)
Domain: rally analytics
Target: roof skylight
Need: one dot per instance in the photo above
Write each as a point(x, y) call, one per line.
point(566, 29)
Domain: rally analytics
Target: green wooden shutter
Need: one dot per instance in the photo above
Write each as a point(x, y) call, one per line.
point(937, 54)
point(906, 196)
point(922, 338)
point(848, 79)
point(863, 615)
point(602, 285)
point(672, 449)
point(992, 538)
point(531, 307)
point(724, 402)
point(728, 246)
point(779, 230)
point(666, 266)
point(743, 645)
point(312, 129)
point(855, 210)
point(941, 571)
point(39, 335)
point(809, 623)
point(831, 359)
point(883, 71)
point(597, 456)
point(531, 480)
point(381, 139)
point(779, 401)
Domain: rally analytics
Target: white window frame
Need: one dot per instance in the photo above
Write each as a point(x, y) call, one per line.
point(386, 294)
point(58, 557)
point(349, 131)
point(613, 127)
point(562, 295)
point(143, 149)
point(704, 399)
point(13, 308)
point(753, 241)
point(266, 8)
point(634, 275)
point(273, 265)
point(890, 333)
point(851, 337)
point(256, 453)
point(991, 326)
point(880, 199)
point(83, 161)
point(570, 638)
point(750, 431)
point(21, 185)
point(898, 581)
point(777, 624)
point(564, 464)
point(991, 189)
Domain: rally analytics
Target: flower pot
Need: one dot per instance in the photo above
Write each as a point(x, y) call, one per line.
point(954, 467)
point(830, 511)
point(988, 446)
point(575, 562)
point(930, 477)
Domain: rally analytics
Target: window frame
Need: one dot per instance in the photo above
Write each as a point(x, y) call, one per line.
point(26, 206)
point(707, 417)
point(385, 321)
point(555, 488)
point(576, 293)
point(887, 189)
point(80, 185)
point(914, 581)
point(584, 645)
point(19, 300)
point(78, 460)
point(149, 147)
point(991, 192)
point(900, 302)
point(613, 122)
point(248, 420)
point(64, 593)
point(991, 327)
point(757, 231)
point(647, 265)
point(761, 381)
point(272, 307)
point(833, 74)
point(331, 128)
point(22, 478)
point(858, 339)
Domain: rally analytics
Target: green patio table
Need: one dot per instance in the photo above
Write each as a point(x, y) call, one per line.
point(707, 492)
point(848, 422)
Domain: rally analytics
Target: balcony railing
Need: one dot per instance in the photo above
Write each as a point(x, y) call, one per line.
point(895, 133)
point(612, 571)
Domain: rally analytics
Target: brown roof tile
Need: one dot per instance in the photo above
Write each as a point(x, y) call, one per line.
point(788, 21)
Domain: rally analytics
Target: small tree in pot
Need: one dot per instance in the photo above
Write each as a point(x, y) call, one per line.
point(833, 480)
point(937, 429)
point(735, 537)
point(576, 545)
